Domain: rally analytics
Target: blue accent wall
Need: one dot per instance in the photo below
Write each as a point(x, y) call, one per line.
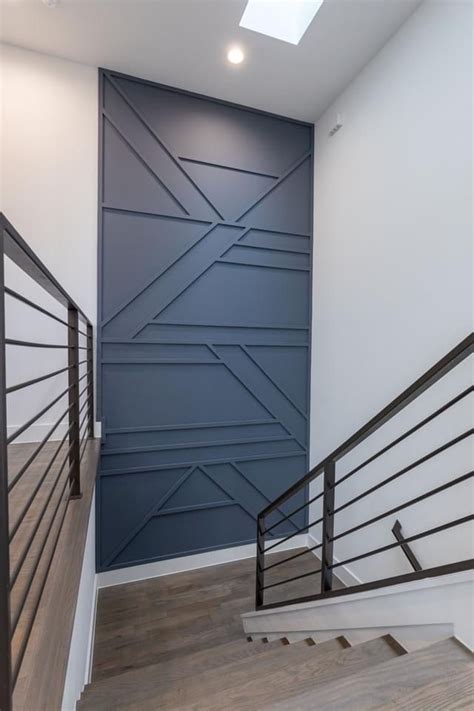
point(204, 301)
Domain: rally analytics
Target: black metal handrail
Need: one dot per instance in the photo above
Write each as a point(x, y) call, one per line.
point(327, 469)
point(60, 480)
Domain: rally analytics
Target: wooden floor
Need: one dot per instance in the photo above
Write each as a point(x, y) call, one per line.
point(41, 678)
point(176, 643)
point(154, 620)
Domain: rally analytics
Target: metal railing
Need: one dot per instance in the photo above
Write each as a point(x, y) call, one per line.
point(47, 474)
point(332, 512)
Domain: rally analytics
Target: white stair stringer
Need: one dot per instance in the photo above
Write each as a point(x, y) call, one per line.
point(416, 613)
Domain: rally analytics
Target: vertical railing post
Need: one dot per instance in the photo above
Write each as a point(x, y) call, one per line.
point(328, 526)
point(74, 435)
point(90, 379)
point(5, 623)
point(260, 562)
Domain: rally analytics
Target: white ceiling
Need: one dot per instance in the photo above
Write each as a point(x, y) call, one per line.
point(183, 43)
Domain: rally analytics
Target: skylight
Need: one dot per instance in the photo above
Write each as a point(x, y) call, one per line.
point(285, 20)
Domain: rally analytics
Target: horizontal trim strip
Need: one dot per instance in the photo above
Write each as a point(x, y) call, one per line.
point(228, 167)
point(160, 361)
point(191, 425)
point(208, 462)
point(217, 222)
point(196, 507)
point(197, 445)
point(224, 260)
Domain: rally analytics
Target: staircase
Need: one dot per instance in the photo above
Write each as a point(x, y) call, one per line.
point(304, 675)
point(176, 642)
point(315, 639)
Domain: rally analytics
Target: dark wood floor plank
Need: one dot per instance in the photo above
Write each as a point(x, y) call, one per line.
point(270, 683)
point(387, 685)
point(152, 621)
point(41, 680)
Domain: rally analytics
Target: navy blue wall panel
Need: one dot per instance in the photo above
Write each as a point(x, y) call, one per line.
point(204, 293)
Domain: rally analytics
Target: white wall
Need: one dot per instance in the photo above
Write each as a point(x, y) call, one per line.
point(48, 183)
point(393, 276)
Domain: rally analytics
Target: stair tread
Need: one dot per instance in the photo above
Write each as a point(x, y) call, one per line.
point(279, 685)
point(275, 656)
point(454, 691)
point(397, 684)
point(250, 686)
point(179, 668)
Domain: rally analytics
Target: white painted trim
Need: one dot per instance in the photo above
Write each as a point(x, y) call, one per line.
point(38, 431)
point(344, 573)
point(90, 651)
point(190, 562)
point(417, 613)
point(82, 638)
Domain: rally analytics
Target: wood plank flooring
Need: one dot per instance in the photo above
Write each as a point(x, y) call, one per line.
point(41, 679)
point(156, 620)
point(177, 643)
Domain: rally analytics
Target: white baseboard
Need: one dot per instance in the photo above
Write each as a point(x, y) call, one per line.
point(38, 431)
point(344, 573)
point(190, 562)
point(82, 639)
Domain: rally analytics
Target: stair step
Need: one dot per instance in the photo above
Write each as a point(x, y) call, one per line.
point(200, 686)
point(148, 679)
point(269, 685)
point(436, 671)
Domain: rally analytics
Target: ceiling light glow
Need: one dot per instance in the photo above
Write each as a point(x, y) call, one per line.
point(235, 55)
point(286, 20)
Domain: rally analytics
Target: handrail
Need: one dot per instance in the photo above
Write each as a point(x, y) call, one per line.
point(55, 484)
point(464, 349)
point(327, 468)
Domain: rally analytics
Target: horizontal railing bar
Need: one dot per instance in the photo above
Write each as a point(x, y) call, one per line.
point(84, 403)
point(27, 383)
point(300, 508)
point(30, 422)
point(411, 431)
point(21, 253)
point(405, 505)
point(33, 456)
point(26, 301)
point(34, 344)
point(81, 362)
point(431, 376)
point(295, 533)
point(439, 570)
point(83, 376)
point(84, 419)
point(24, 597)
point(27, 634)
point(86, 440)
point(396, 544)
point(406, 469)
point(37, 487)
point(291, 557)
point(34, 531)
point(83, 391)
point(290, 580)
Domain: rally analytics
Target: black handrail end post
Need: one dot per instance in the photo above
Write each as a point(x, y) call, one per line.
point(90, 379)
point(6, 690)
point(260, 563)
point(328, 526)
point(74, 434)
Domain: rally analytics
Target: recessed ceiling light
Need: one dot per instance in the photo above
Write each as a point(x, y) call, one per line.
point(51, 3)
point(235, 55)
point(285, 20)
